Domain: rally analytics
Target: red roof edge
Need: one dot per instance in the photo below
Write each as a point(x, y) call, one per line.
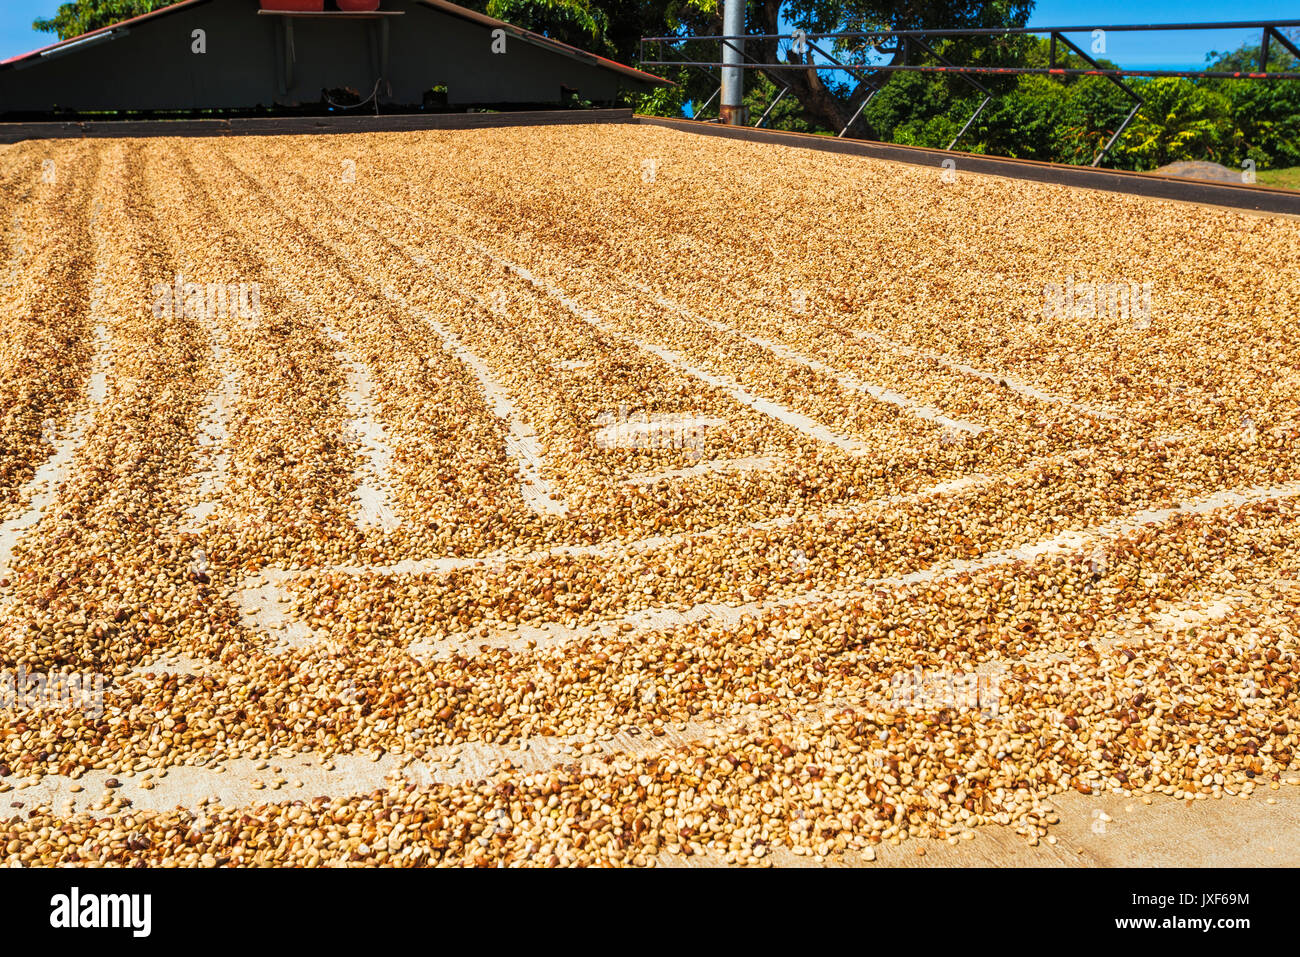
point(537, 39)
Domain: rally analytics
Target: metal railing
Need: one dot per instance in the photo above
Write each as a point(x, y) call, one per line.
point(907, 46)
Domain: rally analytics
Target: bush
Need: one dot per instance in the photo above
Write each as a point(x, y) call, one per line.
point(662, 100)
point(1264, 121)
point(1069, 120)
point(1179, 120)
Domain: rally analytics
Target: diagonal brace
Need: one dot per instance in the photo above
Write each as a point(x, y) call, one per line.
point(1138, 102)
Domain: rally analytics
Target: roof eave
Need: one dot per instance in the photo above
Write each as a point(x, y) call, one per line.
point(536, 39)
point(101, 31)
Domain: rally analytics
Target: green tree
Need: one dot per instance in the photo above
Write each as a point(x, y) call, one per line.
point(830, 103)
point(1264, 122)
point(1245, 58)
point(82, 16)
point(1264, 114)
point(1033, 117)
point(1029, 122)
point(1179, 120)
point(785, 114)
point(576, 22)
point(663, 100)
point(614, 28)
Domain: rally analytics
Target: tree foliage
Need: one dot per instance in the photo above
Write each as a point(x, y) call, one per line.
point(832, 103)
point(1069, 120)
point(81, 16)
point(612, 28)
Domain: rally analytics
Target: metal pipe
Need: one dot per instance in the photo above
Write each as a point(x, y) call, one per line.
point(962, 132)
point(988, 70)
point(696, 114)
point(1105, 150)
point(733, 76)
point(771, 106)
point(1280, 37)
point(858, 112)
point(1011, 31)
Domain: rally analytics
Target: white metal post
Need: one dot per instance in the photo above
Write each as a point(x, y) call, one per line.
point(733, 83)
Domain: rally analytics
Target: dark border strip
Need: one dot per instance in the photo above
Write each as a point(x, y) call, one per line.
point(294, 125)
point(1262, 198)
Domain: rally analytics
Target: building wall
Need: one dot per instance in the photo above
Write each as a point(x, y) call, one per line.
point(153, 67)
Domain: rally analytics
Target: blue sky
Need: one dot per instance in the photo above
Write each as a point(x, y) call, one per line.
point(1166, 51)
point(16, 33)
